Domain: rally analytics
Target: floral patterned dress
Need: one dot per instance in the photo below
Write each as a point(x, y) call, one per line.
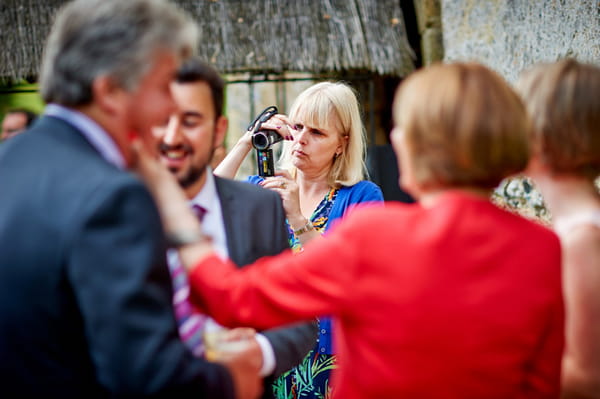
point(310, 379)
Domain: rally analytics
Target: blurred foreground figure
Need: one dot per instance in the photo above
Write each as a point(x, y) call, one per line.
point(450, 297)
point(85, 293)
point(564, 103)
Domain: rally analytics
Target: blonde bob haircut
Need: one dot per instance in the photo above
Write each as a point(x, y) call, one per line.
point(463, 125)
point(315, 107)
point(563, 100)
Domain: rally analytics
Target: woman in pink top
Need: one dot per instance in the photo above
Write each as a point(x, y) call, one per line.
point(564, 103)
point(451, 297)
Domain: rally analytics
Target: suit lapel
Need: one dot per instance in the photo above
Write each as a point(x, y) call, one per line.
point(232, 207)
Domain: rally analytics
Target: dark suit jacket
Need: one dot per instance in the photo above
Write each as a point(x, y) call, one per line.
point(85, 293)
point(255, 226)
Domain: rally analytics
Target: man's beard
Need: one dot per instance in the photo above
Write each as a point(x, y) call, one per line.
point(193, 175)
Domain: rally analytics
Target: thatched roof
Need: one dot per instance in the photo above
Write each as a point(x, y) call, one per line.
point(248, 35)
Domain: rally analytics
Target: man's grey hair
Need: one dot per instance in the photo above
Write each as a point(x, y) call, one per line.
point(116, 38)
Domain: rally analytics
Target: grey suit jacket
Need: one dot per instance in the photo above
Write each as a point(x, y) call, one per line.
point(255, 227)
point(85, 292)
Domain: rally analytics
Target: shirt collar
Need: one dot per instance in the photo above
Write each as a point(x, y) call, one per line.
point(208, 192)
point(94, 133)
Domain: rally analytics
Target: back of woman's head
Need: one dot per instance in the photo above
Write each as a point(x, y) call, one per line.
point(323, 103)
point(563, 100)
point(463, 125)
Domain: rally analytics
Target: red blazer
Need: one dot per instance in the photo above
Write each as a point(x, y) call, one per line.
point(460, 300)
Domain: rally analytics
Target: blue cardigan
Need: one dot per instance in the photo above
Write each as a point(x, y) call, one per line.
point(363, 191)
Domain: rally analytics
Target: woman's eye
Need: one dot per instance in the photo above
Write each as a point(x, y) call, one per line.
point(297, 126)
point(317, 132)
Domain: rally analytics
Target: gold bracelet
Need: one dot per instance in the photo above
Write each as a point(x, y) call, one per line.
point(306, 228)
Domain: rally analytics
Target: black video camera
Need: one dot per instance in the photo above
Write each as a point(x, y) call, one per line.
point(262, 140)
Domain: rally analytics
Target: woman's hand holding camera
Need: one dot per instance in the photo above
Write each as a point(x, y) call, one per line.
point(286, 187)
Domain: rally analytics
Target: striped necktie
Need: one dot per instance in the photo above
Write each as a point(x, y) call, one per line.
point(190, 321)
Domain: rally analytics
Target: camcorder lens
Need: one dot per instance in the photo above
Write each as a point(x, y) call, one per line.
point(263, 139)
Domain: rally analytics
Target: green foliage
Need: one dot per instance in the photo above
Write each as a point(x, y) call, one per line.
point(22, 95)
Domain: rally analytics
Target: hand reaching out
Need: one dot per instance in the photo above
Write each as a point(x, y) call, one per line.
point(171, 201)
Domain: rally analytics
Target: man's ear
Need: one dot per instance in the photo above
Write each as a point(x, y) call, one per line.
point(108, 96)
point(220, 131)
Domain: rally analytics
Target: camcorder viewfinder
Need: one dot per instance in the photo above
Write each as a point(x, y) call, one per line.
point(262, 140)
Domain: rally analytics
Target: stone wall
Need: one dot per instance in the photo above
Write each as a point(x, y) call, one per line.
point(510, 35)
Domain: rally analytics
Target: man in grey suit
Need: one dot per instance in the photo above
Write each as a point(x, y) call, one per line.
point(85, 292)
point(245, 221)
